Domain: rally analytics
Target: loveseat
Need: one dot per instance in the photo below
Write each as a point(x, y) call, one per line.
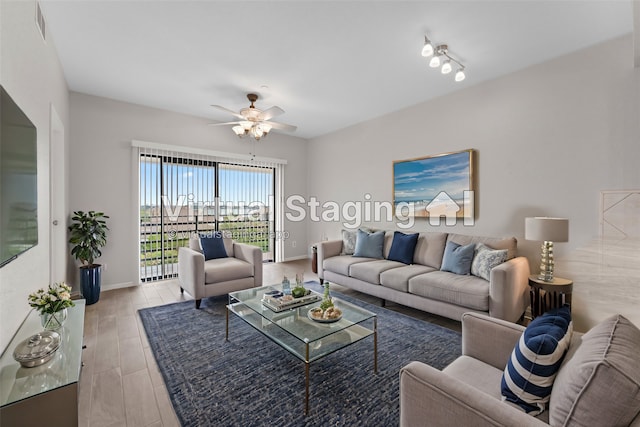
point(597, 384)
point(420, 283)
point(238, 267)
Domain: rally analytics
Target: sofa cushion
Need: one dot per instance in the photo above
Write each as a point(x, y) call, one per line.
point(340, 264)
point(457, 259)
point(403, 247)
point(429, 249)
point(535, 360)
point(510, 243)
point(600, 383)
point(466, 291)
point(483, 377)
point(398, 278)
point(225, 269)
point(370, 271)
point(369, 245)
point(485, 259)
point(213, 246)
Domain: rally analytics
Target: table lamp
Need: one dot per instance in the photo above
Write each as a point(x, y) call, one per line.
point(547, 230)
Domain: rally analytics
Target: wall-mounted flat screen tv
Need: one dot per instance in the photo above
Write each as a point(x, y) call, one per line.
point(18, 181)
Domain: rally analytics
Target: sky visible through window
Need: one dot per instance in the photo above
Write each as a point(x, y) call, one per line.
point(196, 184)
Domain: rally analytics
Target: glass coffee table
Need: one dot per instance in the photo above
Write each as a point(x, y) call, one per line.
point(293, 330)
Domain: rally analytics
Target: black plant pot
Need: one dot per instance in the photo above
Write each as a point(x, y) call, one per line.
point(90, 283)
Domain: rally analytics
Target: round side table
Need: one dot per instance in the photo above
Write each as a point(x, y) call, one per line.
point(548, 295)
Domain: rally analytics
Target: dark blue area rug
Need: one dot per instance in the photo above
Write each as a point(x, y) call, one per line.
point(251, 381)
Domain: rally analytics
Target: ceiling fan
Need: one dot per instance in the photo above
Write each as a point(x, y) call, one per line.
point(253, 121)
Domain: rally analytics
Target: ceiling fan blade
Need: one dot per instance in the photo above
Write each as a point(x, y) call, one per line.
point(270, 112)
point(226, 110)
point(282, 126)
point(225, 124)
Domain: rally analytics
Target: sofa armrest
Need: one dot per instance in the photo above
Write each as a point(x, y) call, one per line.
point(488, 339)
point(327, 249)
point(191, 272)
point(429, 397)
point(509, 289)
point(252, 255)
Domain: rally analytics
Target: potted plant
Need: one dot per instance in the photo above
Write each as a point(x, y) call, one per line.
point(88, 233)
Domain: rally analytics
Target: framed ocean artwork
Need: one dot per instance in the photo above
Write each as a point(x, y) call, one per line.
point(436, 186)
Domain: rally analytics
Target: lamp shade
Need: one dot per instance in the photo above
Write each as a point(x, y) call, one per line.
point(546, 229)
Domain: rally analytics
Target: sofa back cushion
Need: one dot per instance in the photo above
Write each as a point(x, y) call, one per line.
point(510, 243)
point(429, 249)
point(600, 383)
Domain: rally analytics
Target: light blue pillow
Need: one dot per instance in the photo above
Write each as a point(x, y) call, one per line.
point(457, 259)
point(528, 378)
point(485, 259)
point(369, 245)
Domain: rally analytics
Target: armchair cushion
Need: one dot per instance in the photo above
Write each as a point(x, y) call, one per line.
point(225, 269)
point(600, 384)
point(213, 246)
point(536, 359)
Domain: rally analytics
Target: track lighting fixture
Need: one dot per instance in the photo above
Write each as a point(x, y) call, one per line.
point(440, 57)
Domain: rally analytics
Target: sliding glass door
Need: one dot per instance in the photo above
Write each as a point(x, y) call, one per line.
point(180, 196)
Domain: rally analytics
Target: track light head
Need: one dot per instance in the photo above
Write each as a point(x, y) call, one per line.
point(427, 49)
point(460, 76)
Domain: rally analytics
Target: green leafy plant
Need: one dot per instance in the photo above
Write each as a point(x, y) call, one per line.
point(326, 300)
point(88, 234)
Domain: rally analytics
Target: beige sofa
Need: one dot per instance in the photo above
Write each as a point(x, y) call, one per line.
point(598, 383)
point(241, 269)
point(423, 286)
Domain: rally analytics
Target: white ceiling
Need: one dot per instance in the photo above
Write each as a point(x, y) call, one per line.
point(328, 64)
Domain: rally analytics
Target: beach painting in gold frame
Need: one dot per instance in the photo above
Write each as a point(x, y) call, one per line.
point(438, 185)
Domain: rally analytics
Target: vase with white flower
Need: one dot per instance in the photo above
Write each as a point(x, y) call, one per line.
point(52, 303)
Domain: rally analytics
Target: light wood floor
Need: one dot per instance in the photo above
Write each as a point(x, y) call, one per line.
point(120, 383)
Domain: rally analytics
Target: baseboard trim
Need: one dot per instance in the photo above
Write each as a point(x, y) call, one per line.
point(117, 286)
point(296, 258)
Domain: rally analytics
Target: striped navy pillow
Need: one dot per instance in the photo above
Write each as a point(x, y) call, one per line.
point(535, 360)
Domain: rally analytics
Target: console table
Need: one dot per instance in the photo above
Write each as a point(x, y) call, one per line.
point(46, 394)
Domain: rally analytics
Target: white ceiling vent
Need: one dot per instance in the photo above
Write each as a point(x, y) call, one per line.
point(40, 21)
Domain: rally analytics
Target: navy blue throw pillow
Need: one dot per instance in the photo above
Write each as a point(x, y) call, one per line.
point(528, 378)
point(457, 259)
point(213, 246)
point(402, 247)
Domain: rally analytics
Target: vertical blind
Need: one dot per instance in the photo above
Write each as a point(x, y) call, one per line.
point(182, 192)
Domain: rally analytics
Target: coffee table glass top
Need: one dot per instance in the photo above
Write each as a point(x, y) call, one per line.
point(293, 330)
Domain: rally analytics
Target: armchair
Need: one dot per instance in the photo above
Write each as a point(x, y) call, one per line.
point(241, 269)
point(597, 384)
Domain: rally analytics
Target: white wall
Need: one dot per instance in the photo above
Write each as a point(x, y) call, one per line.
point(102, 174)
point(548, 138)
point(31, 74)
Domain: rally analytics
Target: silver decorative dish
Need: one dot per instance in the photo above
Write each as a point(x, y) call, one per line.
point(37, 349)
point(320, 319)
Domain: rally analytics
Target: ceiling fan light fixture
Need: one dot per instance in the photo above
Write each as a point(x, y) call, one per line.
point(239, 130)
